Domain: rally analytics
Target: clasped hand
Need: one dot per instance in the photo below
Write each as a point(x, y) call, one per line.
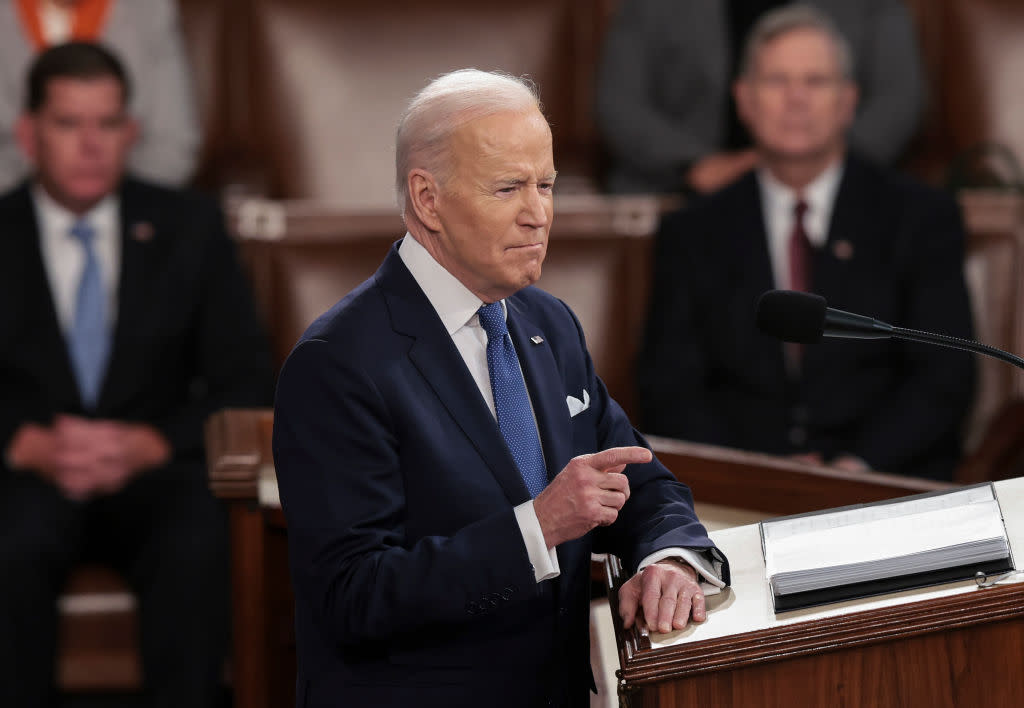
point(85, 457)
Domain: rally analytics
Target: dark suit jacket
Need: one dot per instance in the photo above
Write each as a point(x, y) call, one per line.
point(707, 374)
point(187, 339)
point(412, 581)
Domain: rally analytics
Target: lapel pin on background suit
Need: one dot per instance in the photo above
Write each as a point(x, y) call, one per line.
point(142, 231)
point(842, 250)
point(536, 339)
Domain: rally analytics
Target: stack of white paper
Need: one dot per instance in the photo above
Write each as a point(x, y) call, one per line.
point(883, 541)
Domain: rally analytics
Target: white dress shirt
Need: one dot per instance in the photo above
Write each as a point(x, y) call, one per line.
point(55, 22)
point(778, 203)
point(457, 307)
point(64, 257)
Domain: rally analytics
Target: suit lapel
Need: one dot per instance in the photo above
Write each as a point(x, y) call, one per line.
point(434, 354)
point(756, 278)
point(141, 246)
point(851, 224)
point(52, 357)
point(753, 237)
point(547, 391)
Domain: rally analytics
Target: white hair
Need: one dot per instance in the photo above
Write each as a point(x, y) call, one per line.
point(788, 18)
point(441, 107)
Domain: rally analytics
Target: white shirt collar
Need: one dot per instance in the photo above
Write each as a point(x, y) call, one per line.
point(54, 219)
point(779, 201)
point(56, 23)
point(63, 257)
point(455, 304)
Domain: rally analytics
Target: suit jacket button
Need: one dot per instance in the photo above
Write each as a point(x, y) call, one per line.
point(798, 435)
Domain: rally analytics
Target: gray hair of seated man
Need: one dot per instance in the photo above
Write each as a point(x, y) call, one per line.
point(788, 18)
point(443, 105)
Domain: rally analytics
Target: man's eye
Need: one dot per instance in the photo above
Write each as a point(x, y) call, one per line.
point(506, 190)
point(546, 186)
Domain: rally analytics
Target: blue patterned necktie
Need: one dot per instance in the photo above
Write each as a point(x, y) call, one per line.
point(88, 339)
point(515, 417)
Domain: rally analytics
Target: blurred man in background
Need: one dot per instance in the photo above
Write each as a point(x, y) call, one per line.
point(127, 320)
point(814, 217)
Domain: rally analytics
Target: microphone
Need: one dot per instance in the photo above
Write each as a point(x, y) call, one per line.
point(805, 318)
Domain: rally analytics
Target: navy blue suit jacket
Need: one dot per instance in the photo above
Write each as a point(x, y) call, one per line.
point(412, 582)
point(894, 251)
point(187, 339)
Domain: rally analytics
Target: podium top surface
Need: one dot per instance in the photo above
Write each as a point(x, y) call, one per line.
point(747, 605)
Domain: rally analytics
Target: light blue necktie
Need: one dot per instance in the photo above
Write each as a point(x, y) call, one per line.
point(515, 417)
point(88, 339)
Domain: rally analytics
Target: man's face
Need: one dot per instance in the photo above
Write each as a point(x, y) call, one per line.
point(796, 102)
point(78, 140)
point(496, 207)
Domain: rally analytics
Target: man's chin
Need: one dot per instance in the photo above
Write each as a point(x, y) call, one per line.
point(85, 196)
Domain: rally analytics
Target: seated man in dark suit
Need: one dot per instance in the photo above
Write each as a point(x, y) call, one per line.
point(447, 457)
point(817, 218)
point(126, 321)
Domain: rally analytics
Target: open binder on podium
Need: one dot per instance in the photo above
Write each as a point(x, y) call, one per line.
point(871, 549)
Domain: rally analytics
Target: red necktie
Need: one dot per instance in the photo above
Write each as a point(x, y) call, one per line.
point(800, 251)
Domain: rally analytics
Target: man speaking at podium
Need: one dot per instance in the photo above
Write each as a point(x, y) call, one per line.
point(812, 218)
point(447, 457)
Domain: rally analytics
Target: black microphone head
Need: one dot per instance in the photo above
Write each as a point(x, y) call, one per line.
point(791, 316)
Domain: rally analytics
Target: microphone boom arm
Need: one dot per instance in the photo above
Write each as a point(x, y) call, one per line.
point(944, 340)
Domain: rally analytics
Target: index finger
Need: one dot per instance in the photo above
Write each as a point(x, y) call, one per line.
point(619, 456)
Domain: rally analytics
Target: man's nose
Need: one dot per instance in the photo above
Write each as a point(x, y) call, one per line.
point(534, 212)
point(798, 90)
point(90, 139)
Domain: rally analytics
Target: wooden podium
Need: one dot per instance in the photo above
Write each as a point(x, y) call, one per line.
point(949, 649)
point(263, 663)
point(952, 645)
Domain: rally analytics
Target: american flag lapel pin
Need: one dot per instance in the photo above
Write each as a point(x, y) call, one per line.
point(142, 231)
point(843, 250)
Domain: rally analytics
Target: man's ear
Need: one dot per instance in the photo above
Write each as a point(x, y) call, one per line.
point(424, 197)
point(741, 93)
point(131, 131)
point(849, 96)
point(25, 134)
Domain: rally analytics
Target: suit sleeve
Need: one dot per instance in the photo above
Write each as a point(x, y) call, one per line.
point(659, 513)
point(337, 456)
point(230, 349)
point(674, 367)
point(929, 406)
point(169, 142)
point(891, 83)
point(638, 133)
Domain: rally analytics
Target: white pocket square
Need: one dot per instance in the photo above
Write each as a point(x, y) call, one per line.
point(576, 406)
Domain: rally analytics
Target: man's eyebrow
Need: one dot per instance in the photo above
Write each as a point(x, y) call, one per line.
point(516, 181)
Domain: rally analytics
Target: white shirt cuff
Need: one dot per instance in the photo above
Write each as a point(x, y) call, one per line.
point(710, 571)
point(543, 559)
